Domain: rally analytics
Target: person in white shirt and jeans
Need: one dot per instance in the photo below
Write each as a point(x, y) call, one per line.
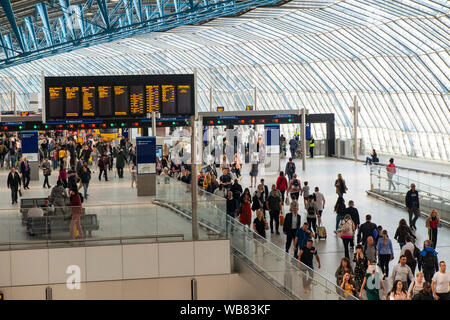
point(440, 283)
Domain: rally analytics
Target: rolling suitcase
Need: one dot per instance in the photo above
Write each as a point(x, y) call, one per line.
point(322, 232)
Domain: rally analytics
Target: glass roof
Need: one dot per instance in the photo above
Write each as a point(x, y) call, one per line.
point(393, 55)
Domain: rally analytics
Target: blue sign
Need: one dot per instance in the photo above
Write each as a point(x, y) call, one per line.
point(73, 121)
point(308, 131)
point(30, 142)
point(125, 133)
point(205, 135)
point(30, 147)
point(283, 116)
point(146, 155)
point(272, 135)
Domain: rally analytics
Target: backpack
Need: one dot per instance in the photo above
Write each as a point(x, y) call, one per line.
point(428, 262)
point(295, 183)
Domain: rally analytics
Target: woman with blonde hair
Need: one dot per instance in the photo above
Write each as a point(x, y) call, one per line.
point(432, 223)
point(207, 180)
point(416, 286)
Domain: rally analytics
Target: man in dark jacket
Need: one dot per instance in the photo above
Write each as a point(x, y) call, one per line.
point(25, 171)
point(13, 183)
point(354, 214)
point(428, 261)
point(412, 205)
point(425, 293)
point(366, 230)
point(120, 162)
point(85, 177)
point(274, 205)
point(291, 225)
point(290, 168)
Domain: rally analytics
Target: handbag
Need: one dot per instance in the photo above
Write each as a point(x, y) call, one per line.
point(20, 191)
point(287, 202)
point(266, 224)
point(281, 220)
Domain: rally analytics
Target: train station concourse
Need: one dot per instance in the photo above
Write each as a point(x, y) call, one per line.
point(229, 150)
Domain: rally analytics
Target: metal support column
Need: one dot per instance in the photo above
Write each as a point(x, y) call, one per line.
point(194, 186)
point(303, 139)
point(154, 123)
point(355, 110)
point(211, 100)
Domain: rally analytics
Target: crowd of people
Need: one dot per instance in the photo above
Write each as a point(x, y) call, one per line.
point(367, 246)
point(75, 159)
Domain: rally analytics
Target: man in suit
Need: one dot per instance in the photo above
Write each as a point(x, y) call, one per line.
point(291, 225)
point(25, 171)
point(13, 183)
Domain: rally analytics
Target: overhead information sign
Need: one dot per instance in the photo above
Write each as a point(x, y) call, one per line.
point(124, 97)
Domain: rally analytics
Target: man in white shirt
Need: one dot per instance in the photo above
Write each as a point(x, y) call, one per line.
point(319, 204)
point(440, 283)
point(35, 212)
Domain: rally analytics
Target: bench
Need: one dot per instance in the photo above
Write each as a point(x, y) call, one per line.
point(54, 222)
point(41, 226)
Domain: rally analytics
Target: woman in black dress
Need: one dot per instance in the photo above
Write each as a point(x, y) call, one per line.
point(361, 265)
point(259, 226)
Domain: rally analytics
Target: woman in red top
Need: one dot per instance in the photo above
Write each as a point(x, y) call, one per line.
point(390, 173)
point(245, 215)
point(75, 204)
point(282, 184)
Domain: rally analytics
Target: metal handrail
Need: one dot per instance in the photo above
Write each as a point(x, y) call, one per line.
point(176, 235)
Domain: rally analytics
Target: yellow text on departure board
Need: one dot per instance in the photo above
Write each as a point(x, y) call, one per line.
point(104, 92)
point(119, 90)
point(71, 92)
point(137, 102)
point(152, 93)
point(88, 100)
point(55, 92)
point(168, 93)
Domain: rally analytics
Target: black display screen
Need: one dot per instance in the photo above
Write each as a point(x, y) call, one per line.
point(184, 99)
point(120, 100)
point(168, 105)
point(105, 101)
point(55, 103)
point(88, 94)
point(111, 97)
point(136, 101)
point(72, 101)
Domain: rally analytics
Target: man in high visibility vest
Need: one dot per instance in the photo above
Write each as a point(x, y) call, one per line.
point(311, 147)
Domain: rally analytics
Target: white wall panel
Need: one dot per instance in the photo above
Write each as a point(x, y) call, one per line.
point(212, 257)
point(140, 261)
point(5, 269)
point(176, 259)
point(104, 263)
point(29, 267)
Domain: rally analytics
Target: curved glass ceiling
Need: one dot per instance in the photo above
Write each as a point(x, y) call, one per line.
point(393, 55)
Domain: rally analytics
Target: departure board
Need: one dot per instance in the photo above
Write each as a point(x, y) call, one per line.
point(55, 103)
point(120, 100)
point(168, 105)
point(104, 101)
point(136, 100)
point(88, 101)
point(152, 96)
point(118, 96)
point(184, 99)
point(72, 101)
